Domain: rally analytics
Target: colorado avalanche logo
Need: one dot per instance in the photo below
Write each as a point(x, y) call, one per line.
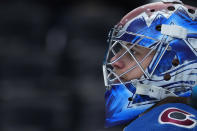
point(177, 117)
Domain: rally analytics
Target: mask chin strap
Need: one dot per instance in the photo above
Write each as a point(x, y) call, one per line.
point(152, 91)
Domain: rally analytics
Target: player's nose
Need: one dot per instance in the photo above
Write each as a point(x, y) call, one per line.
point(117, 62)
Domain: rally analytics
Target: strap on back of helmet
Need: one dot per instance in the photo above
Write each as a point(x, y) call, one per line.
point(174, 31)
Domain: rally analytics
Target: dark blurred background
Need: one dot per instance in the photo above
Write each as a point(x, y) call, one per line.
point(51, 54)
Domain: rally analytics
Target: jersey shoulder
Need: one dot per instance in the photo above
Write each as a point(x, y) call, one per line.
point(171, 116)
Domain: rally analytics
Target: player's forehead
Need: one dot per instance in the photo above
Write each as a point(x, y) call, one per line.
point(135, 46)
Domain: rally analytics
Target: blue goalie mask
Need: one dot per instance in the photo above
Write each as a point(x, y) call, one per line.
point(152, 55)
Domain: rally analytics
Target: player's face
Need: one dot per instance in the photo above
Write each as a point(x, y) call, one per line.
point(126, 62)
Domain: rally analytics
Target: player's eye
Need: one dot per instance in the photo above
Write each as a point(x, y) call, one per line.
point(133, 51)
point(117, 48)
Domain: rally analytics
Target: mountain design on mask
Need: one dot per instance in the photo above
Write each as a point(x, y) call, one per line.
point(160, 15)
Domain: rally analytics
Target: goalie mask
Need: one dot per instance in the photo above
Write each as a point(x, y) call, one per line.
point(152, 54)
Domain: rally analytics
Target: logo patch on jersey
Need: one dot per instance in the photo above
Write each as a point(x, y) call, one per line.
point(177, 117)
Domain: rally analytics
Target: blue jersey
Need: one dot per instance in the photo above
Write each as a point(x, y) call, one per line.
point(167, 117)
